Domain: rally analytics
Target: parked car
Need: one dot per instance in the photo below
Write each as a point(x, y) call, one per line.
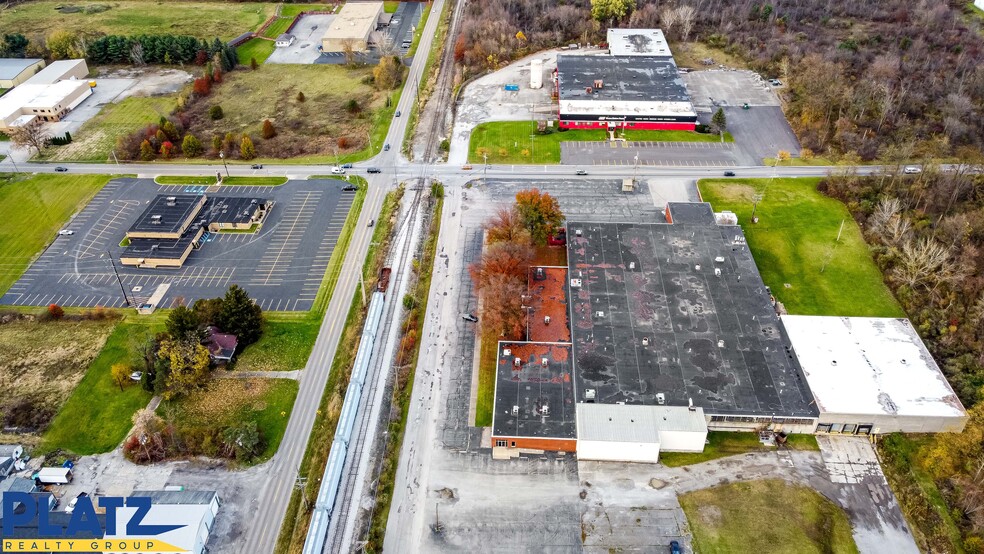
point(386, 147)
point(256, 166)
point(65, 232)
point(373, 170)
point(347, 166)
point(469, 317)
point(61, 169)
point(350, 188)
point(912, 170)
point(136, 375)
point(775, 82)
point(675, 547)
point(729, 173)
point(466, 167)
point(71, 505)
point(580, 172)
point(397, 113)
point(337, 170)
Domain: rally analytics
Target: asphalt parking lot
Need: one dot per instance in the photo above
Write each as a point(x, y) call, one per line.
point(281, 265)
point(692, 154)
point(723, 87)
point(308, 32)
point(760, 132)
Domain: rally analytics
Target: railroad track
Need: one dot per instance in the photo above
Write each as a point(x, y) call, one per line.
point(442, 89)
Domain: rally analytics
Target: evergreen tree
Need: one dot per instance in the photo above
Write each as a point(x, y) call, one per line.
point(719, 121)
point(183, 323)
point(240, 316)
point(191, 146)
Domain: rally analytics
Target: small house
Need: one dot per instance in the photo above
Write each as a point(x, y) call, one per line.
point(221, 346)
point(285, 40)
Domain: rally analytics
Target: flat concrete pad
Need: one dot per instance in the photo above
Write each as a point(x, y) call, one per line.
point(722, 87)
point(690, 154)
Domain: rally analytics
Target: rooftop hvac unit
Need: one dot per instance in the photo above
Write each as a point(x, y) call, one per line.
point(546, 320)
point(598, 83)
point(690, 405)
point(517, 361)
point(171, 199)
point(599, 313)
point(545, 410)
point(697, 267)
point(544, 362)
point(507, 352)
point(588, 90)
point(631, 265)
point(660, 398)
point(515, 410)
point(717, 271)
point(155, 219)
point(577, 232)
point(575, 283)
point(645, 341)
point(720, 344)
point(719, 259)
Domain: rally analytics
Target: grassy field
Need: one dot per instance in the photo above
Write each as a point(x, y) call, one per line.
point(795, 247)
point(202, 19)
point(284, 346)
point(184, 180)
point(765, 517)
point(390, 6)
point(263, 181)
point(690, 54)
point(96, 139)
point(255, 48)
point(278, 27)
point(41, 363)
point(486, 379)
point(32, 209)
point(290, 10)
point(97, 405)
point(722, 444)
point(226, 402)
point(509, 141)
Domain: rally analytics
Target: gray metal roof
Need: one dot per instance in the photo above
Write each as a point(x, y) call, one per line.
point(9, 449)
point(166, 213)
point(12, 67)
point(624, 79)
point(17, 484)
point(178, 497)
point(635, 423)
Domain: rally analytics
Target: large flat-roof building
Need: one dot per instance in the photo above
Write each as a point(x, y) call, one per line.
point(46, 96)
point(872, 375)
point(191, 512)
point(14, 71)
point(352, 26)
point(631, 92)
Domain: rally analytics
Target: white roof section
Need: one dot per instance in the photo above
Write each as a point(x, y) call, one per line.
point(54, 72)
point(355, 21)
point(868, 365)
point(637, 108)
point(638, 42)
point(31, 95)
point(10, 68)
point(635, 422)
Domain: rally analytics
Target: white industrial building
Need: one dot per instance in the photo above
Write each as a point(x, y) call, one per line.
point(352, 26)
point(872, 375)
point(47, 96)
point(14, 71)
point(638, 42)
point(194, 511)
point(637, 433)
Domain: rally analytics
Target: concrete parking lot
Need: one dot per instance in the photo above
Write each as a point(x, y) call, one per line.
point(723, 87)
point(308, 30)
point(693, 154)
point(281, 265)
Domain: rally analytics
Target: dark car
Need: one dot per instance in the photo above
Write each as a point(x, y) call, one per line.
point(729, 173)
point(469, 317)
point(61, 169)
point(346, 166)
point(386, 147)
point(256, 166)
point(350, 188)
point(580, 172)
point(397, 113)
point(675, 547)
point(374, 170)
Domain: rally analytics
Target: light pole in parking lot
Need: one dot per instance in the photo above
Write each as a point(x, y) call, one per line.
point(222, 157)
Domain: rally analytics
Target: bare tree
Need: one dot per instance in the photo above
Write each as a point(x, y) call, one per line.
point(686, 15)
point(137, 53)
point(30, 136)
point(669, 18)
point(348, 49)
point(384, 42)
point(922, 262)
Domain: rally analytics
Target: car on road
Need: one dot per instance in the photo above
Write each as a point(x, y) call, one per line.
point(71, 505)
point(373, 170)
point(729, 173)
point(580, 172)
point(136, 375)
point(469, 317)
point(347, 166)
point(386, 147)
point(912, 170)
point(372, 222)
point(350, 188)
point(675, 547)
point(61, 169)
point(397, 114)
point(466, 167)
point(65, 232)
point(337, 170)
point(256, 166)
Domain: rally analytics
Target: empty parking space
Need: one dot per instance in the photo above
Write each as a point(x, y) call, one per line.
point(281, 265)
point(649, 153)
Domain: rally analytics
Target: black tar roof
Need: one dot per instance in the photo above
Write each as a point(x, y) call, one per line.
point(691, 213)
point(173, 211)
point(166, 249)
point(642, 281)
point(229, 210)
point(625, 79)
point(530, 386)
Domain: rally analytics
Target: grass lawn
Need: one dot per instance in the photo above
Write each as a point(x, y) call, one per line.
point(794, 239)
point(257, 48)
point(278, 27)
point(284, 346)
point(42, 362)
point(722, 444)
point(97, 406)
point(207, 20)
point(184, 180)
point(690, 54)
point(766, 516)
point(32, 209)
point(390, 6)
point(272, 181)
point(96, 139)
point(290, 10)
point(508, 142)
point(226, 402)
point(487, 357)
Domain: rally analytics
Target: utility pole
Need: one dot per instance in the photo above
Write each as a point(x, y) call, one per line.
point(222, 157)
point(120, 281)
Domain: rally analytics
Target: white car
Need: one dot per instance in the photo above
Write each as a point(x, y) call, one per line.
point(337, 170)
point(71, 505)
point(912, 170)
point(136, 375)
point(65, 232)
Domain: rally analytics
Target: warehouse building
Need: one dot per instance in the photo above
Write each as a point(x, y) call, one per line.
point(635, 433)
point(622, 92)
point(872, 375)
point(638, 42)
point(352, 26)
point(46, 96)
point(14, 71)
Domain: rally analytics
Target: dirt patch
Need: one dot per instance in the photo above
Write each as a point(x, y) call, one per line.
point(709, 515)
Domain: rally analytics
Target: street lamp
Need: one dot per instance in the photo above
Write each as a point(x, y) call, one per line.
point(222, 157)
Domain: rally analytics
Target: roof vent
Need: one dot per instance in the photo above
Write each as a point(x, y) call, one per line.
point(599, 313)
point(577, 232)
point(645, 341)
point(544, 362)
point(660, 398)
point(833, 362)
point(588, 90)
point(507, 352)
point(155, 219)
point(598, 83)
point(589, 395)
point(517, 361)
point(515, 410)
point(575, 283)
